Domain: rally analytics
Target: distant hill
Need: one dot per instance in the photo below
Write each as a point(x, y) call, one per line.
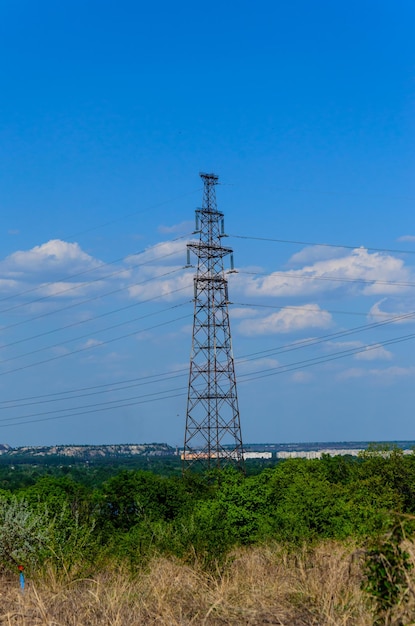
point(157, 450)
point(87, 452)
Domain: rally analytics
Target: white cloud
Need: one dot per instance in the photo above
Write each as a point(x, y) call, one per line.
point(171, 250)
point(363, 352)
point(301, 377)
point(60, 350)
point(8, 285)
point(406, 238)
point(48, 257)
point(43, 269)
point(343, 345)
point(287, 320)
point(351, 372)
point(69, 290)
point(403, 316)
point(311, 254)
point(393, 372)
point(183, 227)
point(92, 343)
point(255, 365)
point(157, 272)
point(243, 312)
point(375, 312)
point(60, 269)
point(382, 271)
point(372, 353)
point(177, 286)
point(386, 375)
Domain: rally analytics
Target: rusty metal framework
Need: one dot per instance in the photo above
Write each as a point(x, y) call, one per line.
point(213, 432)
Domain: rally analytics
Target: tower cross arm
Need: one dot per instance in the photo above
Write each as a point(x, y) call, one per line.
point(206, 249)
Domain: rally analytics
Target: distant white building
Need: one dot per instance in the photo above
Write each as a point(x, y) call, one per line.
point(257, 455)
point(317, 454)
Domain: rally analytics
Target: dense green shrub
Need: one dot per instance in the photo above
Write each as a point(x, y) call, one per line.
point(135, 513)
point(24, 534)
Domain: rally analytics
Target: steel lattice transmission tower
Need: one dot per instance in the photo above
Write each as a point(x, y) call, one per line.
point(213, 432)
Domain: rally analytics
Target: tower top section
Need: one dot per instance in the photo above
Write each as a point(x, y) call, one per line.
point(209, 193)
point(210, 179)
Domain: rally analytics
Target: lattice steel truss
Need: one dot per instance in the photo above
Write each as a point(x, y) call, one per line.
point(213, 432)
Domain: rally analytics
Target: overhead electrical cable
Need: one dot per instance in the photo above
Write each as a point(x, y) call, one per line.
point(101, 315)
point(90, 347)
point(241, 359)
point(58, 396)
point(110, 389)
point(305, 343)
point(90, 334)
point(321, 360)
point(107, 403)
point(326, 245)
point(122, 270)
point(177, 269)
point(47, 419)
point(248, 377)
point(366, 281)
point(82, 302)
point(280, 307)
point(76, 286)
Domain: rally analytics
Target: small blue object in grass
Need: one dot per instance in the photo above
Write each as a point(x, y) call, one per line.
point(21, 576)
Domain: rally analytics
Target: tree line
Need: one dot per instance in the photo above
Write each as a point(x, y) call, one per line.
point(84, 518)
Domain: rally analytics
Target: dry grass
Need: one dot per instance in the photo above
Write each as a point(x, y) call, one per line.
point(256, 586)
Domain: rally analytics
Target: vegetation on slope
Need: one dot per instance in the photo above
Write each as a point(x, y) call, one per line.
point(79, 529)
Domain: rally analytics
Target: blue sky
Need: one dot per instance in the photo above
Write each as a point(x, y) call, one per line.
point(108, 112)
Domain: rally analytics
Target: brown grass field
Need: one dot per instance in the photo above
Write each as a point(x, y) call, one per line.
point(267, 585)
point(262, 585)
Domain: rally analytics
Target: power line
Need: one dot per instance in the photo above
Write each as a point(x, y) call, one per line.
point(83, 284)
point(47, 419)
point(306, 308)
point(108, 403)
point(326, 245)
point(102, 388)
point(161, 395)
point(89, 334)
point(289, 367)
point(297, 345)
point(110, 389)
point(281, 369)
point(372, 281)
point(83, 349)
point(118, 219)
point(288, 347)
point(247, 377)
point(243, 358)
point(321, 360)
point(101, 315)
point(122, 270)
point(147, 280)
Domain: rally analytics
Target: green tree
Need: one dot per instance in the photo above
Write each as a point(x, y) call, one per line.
point(132, 496)
point(25, 534)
